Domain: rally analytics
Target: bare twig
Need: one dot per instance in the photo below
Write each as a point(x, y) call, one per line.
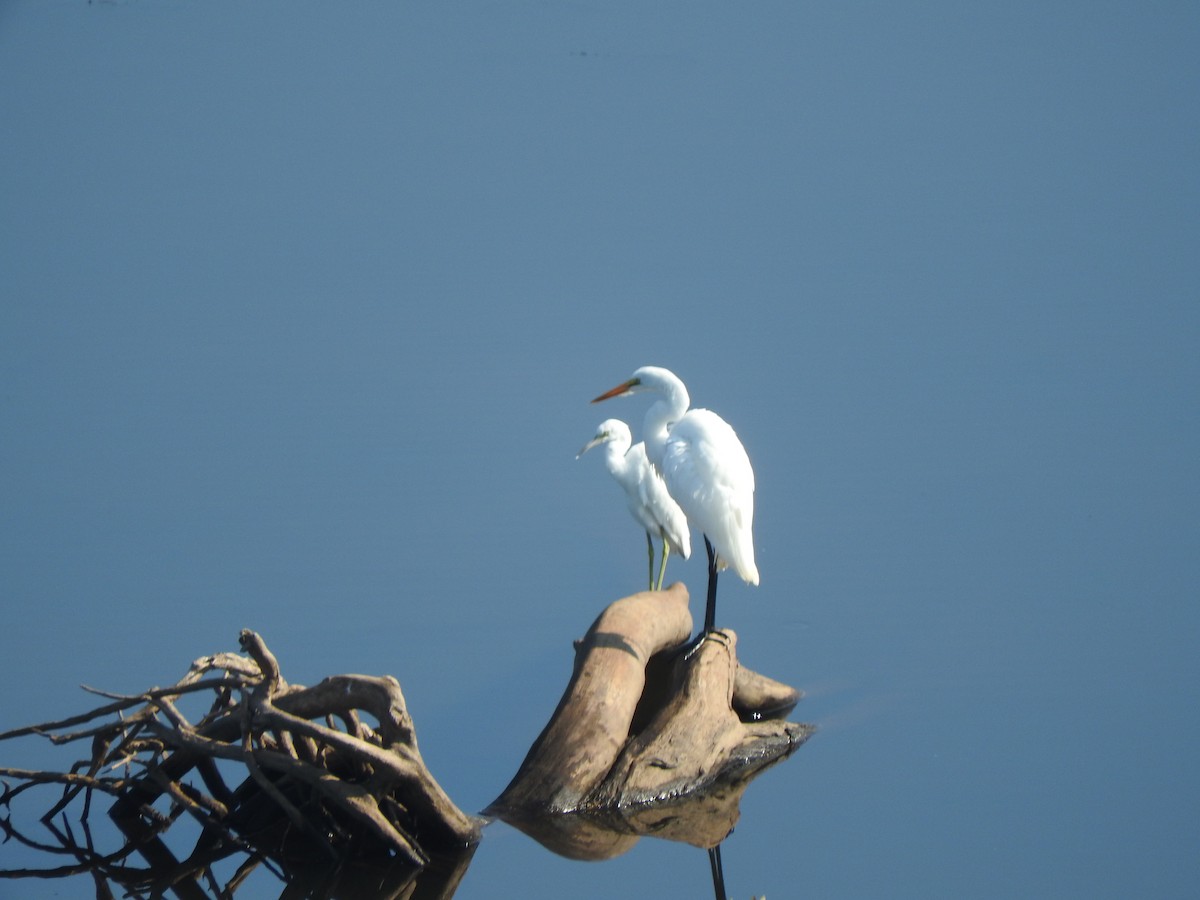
point(125, 702)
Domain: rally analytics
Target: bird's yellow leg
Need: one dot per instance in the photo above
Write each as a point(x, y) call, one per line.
point(662, 569)
point(650, 551)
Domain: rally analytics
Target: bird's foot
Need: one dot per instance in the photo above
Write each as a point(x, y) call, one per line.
point(698, 641)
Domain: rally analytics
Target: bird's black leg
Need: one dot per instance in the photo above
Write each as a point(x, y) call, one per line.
point(710, 614)
point(718, 872)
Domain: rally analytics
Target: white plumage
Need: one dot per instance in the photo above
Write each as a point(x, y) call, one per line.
point(706, 471)
point(649, 502)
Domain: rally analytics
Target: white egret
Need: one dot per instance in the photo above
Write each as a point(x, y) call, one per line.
point(649, 502)
point(706, 470)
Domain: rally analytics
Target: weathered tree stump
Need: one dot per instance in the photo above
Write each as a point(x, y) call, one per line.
point(648, 735)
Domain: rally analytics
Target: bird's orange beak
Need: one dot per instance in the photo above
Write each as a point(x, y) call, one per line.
point(622, 388)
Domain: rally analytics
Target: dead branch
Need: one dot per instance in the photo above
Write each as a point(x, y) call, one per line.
point(353, 793)
point(47, 729)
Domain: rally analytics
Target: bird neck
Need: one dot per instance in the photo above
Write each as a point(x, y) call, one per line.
point(615, 453)
point(662, 414)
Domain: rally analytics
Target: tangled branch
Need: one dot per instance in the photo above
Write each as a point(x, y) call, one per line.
point(315, 776)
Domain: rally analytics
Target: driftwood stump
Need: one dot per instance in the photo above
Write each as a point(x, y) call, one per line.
point(650, 736)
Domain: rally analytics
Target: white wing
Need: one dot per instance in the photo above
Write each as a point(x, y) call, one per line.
point(709, 475)
point(670, 521)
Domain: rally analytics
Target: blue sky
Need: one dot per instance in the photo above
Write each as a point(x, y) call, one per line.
point(304, 303)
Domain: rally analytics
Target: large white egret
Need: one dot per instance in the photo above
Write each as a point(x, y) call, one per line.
point(706, 470)
point(649, 502)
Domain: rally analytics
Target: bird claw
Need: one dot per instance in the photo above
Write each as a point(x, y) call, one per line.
point(703, 636)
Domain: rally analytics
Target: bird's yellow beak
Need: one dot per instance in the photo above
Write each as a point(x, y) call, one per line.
point(598, 439)
point(623, 388)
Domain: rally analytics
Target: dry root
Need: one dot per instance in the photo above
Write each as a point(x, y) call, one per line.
point(315, 778)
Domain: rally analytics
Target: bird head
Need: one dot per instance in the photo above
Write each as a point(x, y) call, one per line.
point(648, 378)
point(608, 430)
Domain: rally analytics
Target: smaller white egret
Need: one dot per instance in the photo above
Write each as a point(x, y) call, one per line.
point(649, 502)
point(706, 470)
